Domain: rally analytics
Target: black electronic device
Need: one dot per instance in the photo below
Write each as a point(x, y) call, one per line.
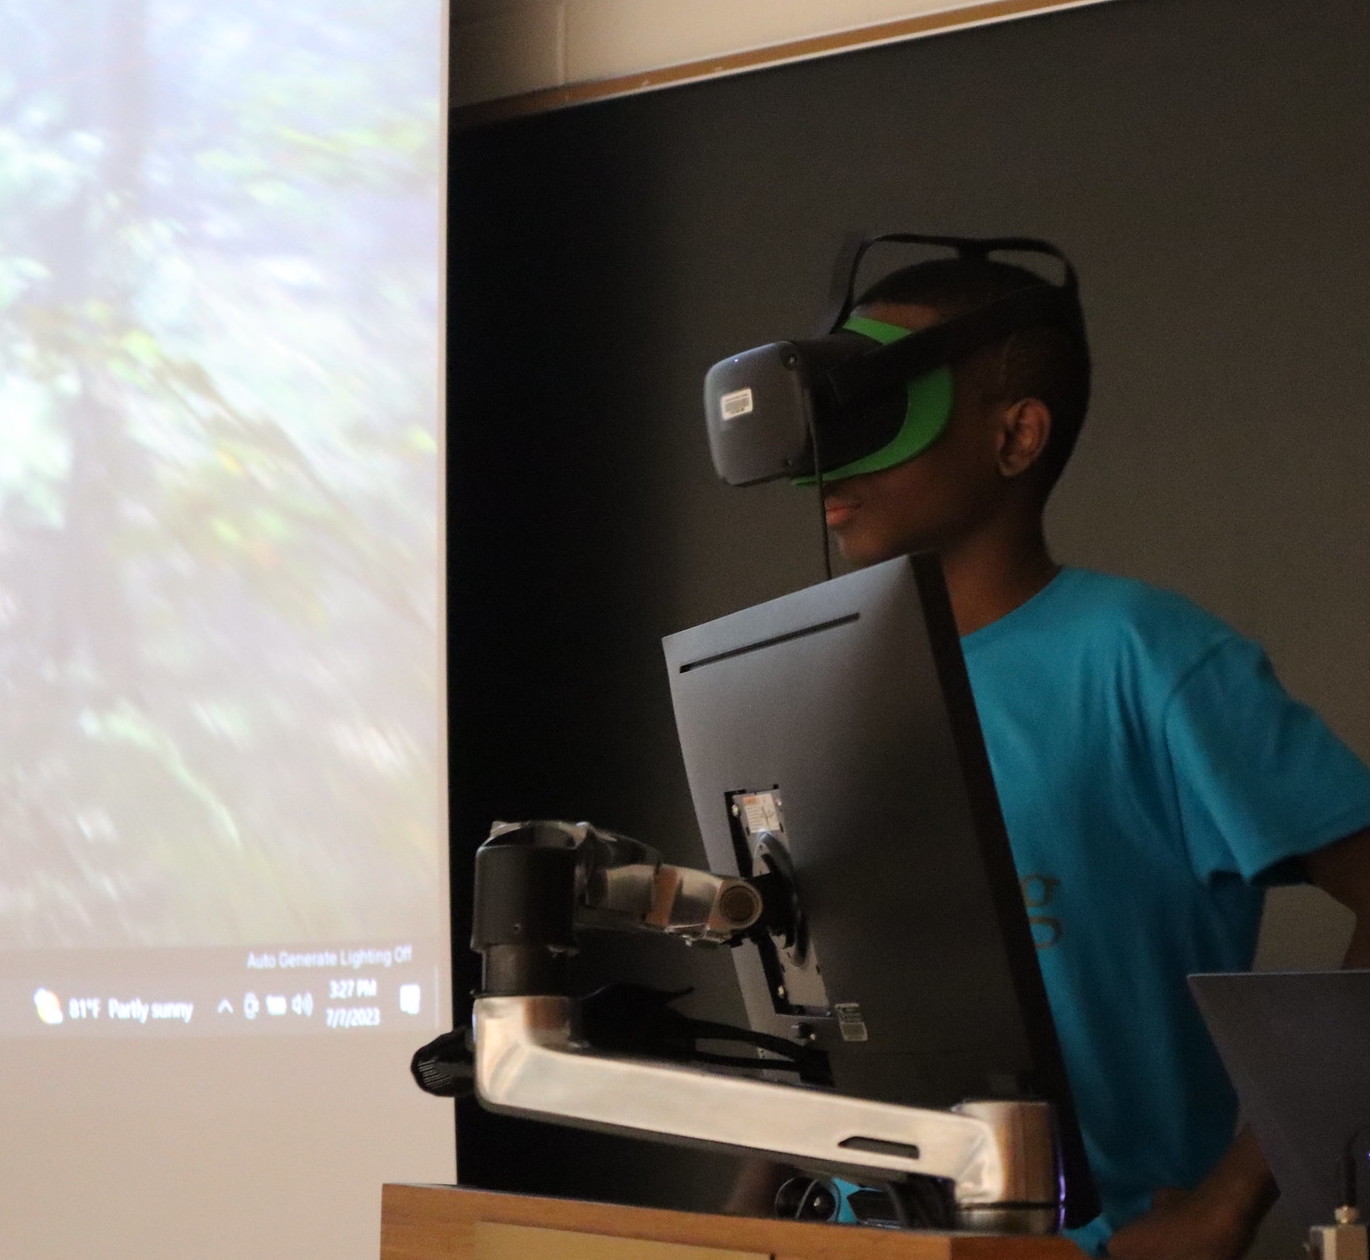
point(831, 741)
point(857, 396)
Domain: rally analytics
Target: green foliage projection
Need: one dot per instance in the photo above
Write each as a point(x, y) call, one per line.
point(219, 501)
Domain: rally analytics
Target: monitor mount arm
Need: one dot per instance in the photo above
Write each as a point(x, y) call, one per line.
point(537, 882)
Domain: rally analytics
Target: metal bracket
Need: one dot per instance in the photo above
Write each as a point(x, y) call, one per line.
point(998, 1156)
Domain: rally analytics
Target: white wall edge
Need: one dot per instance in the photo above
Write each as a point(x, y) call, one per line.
point(724, 63)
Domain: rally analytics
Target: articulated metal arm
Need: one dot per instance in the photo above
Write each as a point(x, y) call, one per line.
point(536, 881)
point(997, 1155)
point(627, 886)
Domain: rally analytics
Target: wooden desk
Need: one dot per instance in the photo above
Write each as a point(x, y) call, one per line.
point(440, 1223)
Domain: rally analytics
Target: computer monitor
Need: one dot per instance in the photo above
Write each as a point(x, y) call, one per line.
point(830, 738)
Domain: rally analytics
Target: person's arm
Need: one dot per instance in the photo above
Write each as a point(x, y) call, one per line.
point(1342, 870)
point(1214, 1221)
point(1218, 1218)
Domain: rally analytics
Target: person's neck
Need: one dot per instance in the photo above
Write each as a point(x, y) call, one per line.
point(991, 574)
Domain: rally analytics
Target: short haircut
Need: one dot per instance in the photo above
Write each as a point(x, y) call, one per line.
point(1049, 362)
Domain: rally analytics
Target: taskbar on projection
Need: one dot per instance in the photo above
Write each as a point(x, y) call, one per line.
point(347, 989)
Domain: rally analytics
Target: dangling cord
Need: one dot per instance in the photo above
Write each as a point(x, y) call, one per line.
point(922, 1203)
point(822, 511)
point(1352, 1154)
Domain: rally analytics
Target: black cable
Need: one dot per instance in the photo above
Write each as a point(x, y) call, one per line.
point(818, 1203)
point(818, 489)
point(905, 1214)
point(1349, 1165)
point(634, 1019)
point(807, 1199)
point(922, 1203)
point(741, 1061)
point(709, 1030)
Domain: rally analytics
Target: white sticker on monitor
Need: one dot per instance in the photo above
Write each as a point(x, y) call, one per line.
point(738, 403)
point(761, 812)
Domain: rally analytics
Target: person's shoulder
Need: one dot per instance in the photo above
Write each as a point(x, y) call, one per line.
point(1149, 619)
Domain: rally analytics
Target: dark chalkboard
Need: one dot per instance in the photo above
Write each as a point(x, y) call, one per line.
point(1201, 161)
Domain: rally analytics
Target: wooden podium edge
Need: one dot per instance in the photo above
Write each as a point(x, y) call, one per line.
point(438, 1223)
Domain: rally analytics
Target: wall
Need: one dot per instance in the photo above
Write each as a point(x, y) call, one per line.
point(1200, 160)
point(505, 48)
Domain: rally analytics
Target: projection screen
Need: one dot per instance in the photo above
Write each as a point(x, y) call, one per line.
point(222, 737)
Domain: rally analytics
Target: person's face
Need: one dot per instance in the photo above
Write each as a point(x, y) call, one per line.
point(931, 502)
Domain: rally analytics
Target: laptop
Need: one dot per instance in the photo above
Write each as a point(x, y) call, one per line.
point(1297, 1047)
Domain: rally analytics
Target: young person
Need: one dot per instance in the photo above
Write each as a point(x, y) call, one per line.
point(1154, 776)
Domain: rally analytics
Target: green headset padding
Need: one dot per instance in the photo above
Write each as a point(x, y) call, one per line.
point(926, 411)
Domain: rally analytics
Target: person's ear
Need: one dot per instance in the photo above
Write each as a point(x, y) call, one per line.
point(1024, 429)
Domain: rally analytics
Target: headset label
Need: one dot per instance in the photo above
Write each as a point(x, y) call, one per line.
point(738, 403)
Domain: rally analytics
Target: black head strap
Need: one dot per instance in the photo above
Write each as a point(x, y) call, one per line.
point(843, 281)
point(911, 356)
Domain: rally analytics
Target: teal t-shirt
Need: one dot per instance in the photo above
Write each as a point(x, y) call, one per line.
point(1153, 776)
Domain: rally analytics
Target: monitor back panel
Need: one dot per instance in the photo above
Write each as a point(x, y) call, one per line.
point(834, 702)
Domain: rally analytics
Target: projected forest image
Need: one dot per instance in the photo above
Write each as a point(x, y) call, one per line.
point(219, 472)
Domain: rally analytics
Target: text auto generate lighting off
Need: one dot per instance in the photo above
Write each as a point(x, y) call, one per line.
point(217, 992)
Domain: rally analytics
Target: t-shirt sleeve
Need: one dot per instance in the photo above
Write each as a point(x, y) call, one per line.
point(1259, 778)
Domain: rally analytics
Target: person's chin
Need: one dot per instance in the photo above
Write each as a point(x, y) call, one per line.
point(861, 553)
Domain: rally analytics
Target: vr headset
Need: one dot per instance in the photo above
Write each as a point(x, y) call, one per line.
point(863, 395)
